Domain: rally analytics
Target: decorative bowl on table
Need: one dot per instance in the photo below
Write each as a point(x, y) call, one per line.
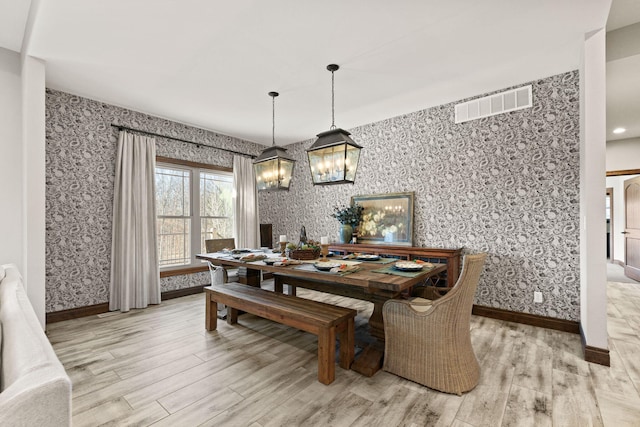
point(326, 266)
point(408, 266)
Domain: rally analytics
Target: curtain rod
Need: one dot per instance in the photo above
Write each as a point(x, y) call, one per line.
point(199, 144)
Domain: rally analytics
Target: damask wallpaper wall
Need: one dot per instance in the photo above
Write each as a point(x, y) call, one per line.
point(507, 185)
point(80, 170)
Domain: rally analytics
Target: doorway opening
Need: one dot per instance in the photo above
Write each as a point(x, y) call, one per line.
point(622, 206)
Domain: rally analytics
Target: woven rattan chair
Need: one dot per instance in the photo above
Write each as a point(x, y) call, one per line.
point(429, 341)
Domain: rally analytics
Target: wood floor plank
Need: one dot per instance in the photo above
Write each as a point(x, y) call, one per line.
point(343, 410)
point(526, 407)
point(292, 412)
point(105, 412)
point(202, 410)
point(195, 370)
point(90, 383)
point(533, 366)
point(612, 379)
point(228, 375)
point(433, 409)
point(258, 405)
point(630, 354)
point(270, 374)
point(151, 362)
point(618, 409)
point(147, 415)
point(574, 400)
point(486, 404)
point(402, 405)
point(119, 389)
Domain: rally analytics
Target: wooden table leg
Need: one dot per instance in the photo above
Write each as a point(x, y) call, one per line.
point(376, 322)
point(278, 284)
point(249, 276)
point(370, 360)
point(232, 315)
point(211, 310)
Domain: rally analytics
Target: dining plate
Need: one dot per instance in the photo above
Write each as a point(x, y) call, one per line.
point(407, 266)
point(326, 266)
point(367, 257)
point(271, 261)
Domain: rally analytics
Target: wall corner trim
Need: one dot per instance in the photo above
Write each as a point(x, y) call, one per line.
point(594, 354)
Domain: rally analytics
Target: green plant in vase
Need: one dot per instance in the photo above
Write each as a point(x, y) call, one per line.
point(349, 217)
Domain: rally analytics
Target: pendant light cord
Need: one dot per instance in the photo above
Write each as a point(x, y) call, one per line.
point(333, 108)
point(273, 117)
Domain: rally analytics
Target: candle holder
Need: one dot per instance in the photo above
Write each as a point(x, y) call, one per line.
point(324, 250)
point(283, 247)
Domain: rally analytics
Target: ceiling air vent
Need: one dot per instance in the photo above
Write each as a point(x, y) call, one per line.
point(503, 102)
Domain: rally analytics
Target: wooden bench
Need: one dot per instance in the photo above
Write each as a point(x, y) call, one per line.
point(326, 321)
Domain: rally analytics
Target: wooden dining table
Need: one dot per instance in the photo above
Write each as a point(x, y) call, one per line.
point(364, 284)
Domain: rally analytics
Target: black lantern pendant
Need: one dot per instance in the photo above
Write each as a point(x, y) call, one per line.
point(274, 168)
point(334, 156)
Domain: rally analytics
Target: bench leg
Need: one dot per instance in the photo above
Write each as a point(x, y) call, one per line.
point(292, 290)
point(232, 315)
point(347, 344)
point(278, 284)
point(327, 355)
point(211, 310)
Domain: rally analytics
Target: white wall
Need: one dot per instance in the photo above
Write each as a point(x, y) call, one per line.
point(593, 275)
point(11, 186)
point(617, 183)
point(33, 181)
point(623, 154)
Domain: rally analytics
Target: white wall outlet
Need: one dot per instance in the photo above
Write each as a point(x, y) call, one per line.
point(537, 296)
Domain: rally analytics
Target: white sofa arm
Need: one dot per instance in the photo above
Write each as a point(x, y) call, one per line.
point(34, 387)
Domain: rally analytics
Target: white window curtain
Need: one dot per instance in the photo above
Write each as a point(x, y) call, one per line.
point(135, 275)
point(246, 228)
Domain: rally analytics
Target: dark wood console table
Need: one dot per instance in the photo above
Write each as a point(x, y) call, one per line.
point(451, 257)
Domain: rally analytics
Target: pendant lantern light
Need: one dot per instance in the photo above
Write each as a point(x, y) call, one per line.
point(273, 167)
point(334, 156)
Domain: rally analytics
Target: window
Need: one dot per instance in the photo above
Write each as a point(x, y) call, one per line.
point(192, 204)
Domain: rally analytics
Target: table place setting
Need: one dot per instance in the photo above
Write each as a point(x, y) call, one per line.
point(331, 267)
point(283, 262)
point(253, 257)
point(406, 268)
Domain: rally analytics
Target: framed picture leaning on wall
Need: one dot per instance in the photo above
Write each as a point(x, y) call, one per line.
point(387, 219)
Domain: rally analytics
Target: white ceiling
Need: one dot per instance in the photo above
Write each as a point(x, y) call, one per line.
point(211, 63)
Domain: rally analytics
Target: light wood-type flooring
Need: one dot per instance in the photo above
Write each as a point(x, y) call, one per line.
point(160, 367)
